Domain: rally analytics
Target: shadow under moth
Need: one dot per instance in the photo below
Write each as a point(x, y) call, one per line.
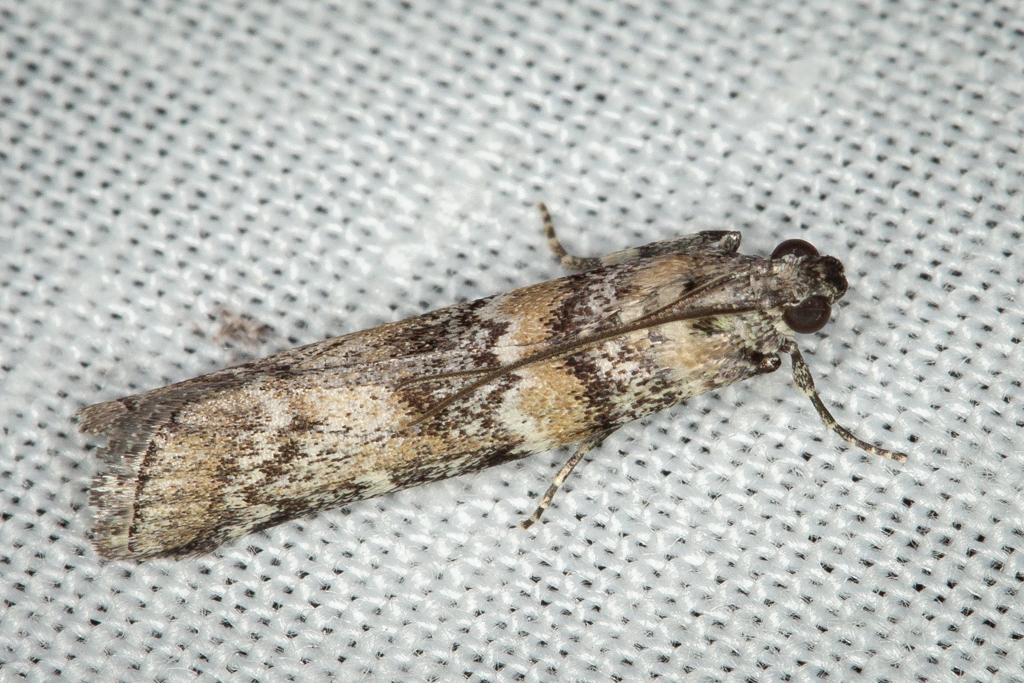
point(196, 464)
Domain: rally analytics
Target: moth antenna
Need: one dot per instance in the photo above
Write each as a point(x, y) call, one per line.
point(560, 350)
point(564, 349)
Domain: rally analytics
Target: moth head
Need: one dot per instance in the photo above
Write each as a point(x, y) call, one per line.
point(825, 281)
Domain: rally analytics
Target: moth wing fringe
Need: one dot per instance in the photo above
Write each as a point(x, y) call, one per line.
point(129, 425)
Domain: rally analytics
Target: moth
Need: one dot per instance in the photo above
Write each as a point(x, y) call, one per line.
point(196, 464)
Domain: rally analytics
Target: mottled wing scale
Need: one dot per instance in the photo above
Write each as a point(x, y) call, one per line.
point(193, 465)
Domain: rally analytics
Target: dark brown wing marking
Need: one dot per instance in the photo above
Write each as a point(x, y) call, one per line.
point(662, 316)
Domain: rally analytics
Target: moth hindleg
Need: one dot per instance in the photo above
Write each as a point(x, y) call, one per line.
point(568, 261)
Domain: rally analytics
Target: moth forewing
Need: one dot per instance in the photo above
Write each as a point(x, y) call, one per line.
point(196, 464)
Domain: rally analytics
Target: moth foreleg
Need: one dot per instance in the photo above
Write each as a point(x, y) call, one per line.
point(803, 380)
point(582, 448)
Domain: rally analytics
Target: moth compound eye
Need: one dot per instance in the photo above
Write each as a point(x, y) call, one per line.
point(810, 315)
point(794, 247)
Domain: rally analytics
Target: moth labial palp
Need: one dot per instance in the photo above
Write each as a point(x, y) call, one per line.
point(193, 465)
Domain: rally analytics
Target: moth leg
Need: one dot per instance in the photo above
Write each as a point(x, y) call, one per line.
point(568, 261)
point(803, 380)
point(582, 448)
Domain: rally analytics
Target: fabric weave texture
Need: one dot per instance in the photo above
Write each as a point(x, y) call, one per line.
point(174, 175)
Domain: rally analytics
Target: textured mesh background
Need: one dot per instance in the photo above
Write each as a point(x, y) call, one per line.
point(325, 168)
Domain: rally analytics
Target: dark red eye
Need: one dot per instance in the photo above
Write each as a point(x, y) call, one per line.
point(810, 315)
point(794, 247)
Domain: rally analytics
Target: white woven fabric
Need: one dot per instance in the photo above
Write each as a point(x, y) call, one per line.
point(325, 168)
